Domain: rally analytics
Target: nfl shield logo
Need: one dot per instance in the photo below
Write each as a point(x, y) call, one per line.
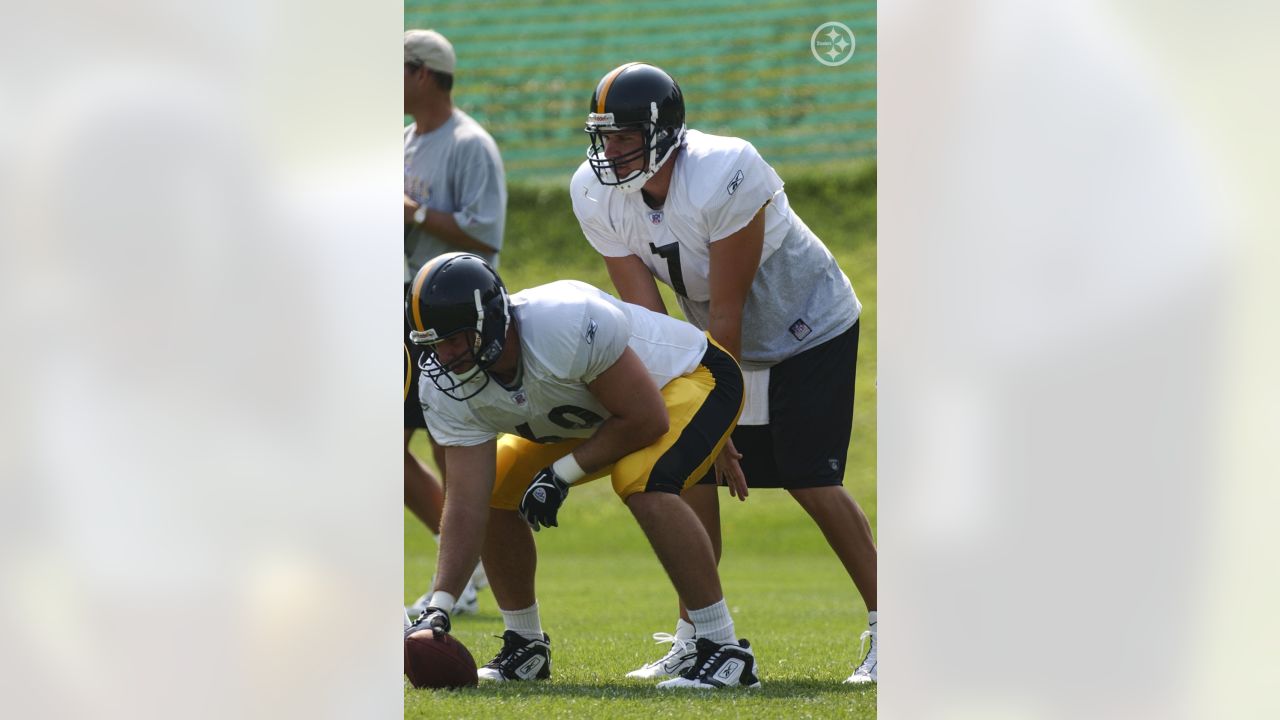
point(655, 217)
point(800, 329)
point(520, 398)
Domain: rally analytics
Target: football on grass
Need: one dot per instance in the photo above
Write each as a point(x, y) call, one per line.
point(434, 659)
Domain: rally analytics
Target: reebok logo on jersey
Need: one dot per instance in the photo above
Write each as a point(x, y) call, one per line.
point(734, 183)
point(591, 332)
point(800, 329)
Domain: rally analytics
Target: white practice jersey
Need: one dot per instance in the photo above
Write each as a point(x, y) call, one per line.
point(570, 333)
point(799, 299)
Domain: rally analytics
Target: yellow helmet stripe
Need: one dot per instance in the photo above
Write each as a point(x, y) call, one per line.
point(408, 371)
point(416, 292)
point(608, 81)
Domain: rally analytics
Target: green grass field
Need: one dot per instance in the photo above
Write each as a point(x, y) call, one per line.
point(600, 588)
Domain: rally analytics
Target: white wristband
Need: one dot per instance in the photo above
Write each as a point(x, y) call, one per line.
point(443, 600)
point(568, 469)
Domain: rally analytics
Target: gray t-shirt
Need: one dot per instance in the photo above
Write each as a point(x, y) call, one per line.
point(799, 299)
point(456, 169)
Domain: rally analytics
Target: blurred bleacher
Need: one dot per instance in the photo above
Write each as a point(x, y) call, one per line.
point(526, 71)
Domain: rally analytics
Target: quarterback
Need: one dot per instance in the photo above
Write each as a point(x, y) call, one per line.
point(535, 392)
point(708, 216)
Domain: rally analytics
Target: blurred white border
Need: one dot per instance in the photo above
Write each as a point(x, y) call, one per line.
point(1077, 376)
point(1077, 352)
point(200, 494)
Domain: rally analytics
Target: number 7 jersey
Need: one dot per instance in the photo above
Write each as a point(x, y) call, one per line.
point(799, 299)
point(569, 333)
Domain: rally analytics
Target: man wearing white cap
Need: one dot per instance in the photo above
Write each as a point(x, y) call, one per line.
point(455, 198)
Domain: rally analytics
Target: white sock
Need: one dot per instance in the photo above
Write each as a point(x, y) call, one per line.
point(871, 620)
point(526, 622)
point(684, 630)
point(713, 623)
point(442, 600)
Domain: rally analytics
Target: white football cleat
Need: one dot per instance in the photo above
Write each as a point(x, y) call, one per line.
point(718, 666)
point(479, 578)
point(468, 603)
point(866, 672)
point(679, 659)
point(519, 659)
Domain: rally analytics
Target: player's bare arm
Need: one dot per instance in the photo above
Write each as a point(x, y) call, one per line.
point(634, 283)
point(638, 418)
point(734, 260)
point(443, 226)
point(638, 414)
point(469, 484)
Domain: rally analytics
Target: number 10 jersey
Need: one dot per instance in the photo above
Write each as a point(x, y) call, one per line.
point(569, 333)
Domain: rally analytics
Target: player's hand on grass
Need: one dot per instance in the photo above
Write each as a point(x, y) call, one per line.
point(543, 499)
point(438, 619)
point(729, 471)
point(434, 619)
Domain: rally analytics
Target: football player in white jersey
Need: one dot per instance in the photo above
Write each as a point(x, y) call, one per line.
point(555, 386)
point(708, 216)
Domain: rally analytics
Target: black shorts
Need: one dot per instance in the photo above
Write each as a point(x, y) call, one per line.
point(806, 441)
point(413, 418)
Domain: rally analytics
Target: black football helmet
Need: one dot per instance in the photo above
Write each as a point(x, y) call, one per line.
point(635, 96)
point(458, 293)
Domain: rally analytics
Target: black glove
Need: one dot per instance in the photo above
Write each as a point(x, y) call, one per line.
point(543, 499)
point(432, 618)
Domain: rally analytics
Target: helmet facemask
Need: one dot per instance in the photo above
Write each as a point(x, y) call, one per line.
point(485, 343)
point(659, 145)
